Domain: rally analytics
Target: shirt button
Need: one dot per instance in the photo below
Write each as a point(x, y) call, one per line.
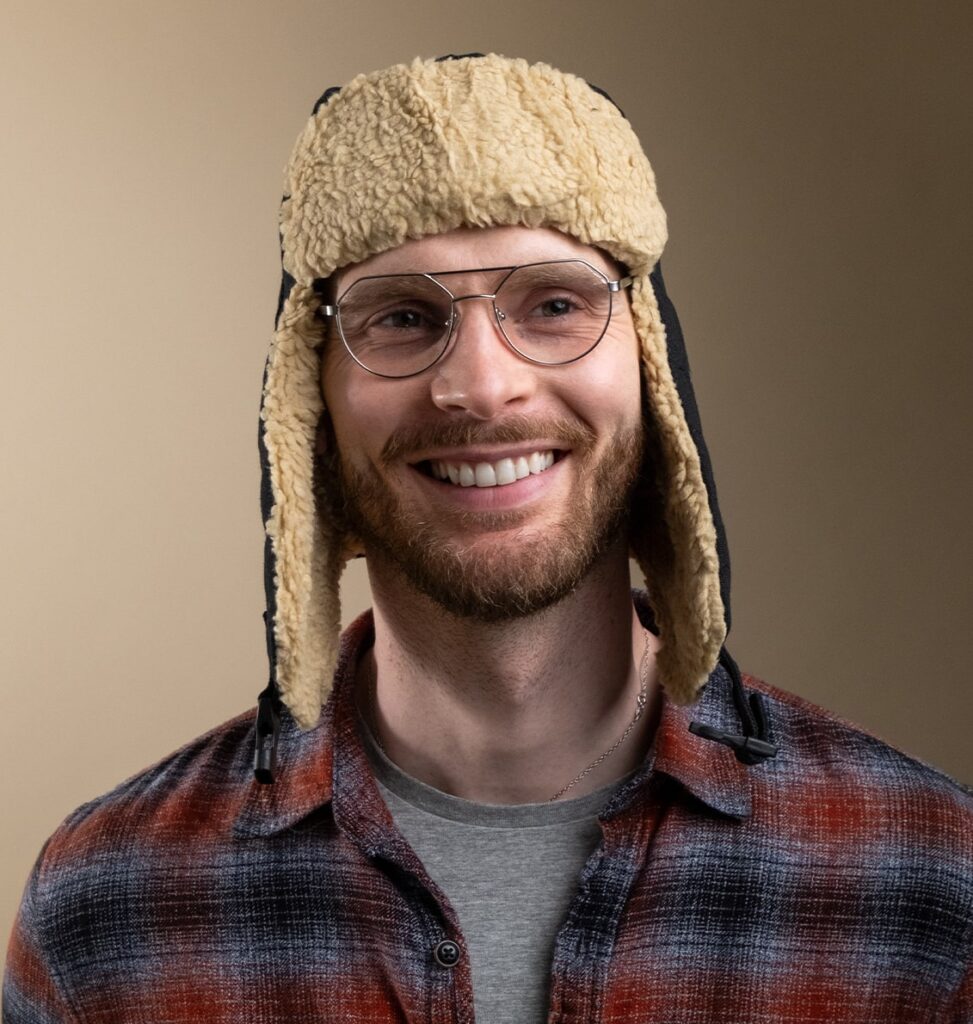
point(447, 953)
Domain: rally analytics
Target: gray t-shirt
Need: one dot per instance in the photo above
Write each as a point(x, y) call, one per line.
point(510, 872)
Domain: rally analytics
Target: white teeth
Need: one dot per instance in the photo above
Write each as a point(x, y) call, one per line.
point(486, 475)
point(492, 474)
point(506, 474)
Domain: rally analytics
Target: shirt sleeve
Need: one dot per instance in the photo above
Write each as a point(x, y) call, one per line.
point(32, 992)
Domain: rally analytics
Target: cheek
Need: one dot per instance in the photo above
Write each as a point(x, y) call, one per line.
point(348, 415)
point(364, 409)
point(611, 376)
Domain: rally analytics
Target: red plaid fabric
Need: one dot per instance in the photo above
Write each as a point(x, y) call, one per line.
point(832, 883)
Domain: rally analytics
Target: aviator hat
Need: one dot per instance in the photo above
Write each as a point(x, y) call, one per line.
point(419, 149)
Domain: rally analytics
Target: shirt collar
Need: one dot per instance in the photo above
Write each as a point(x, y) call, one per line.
point(706, 769)
point(305, 759)
point(328, 763)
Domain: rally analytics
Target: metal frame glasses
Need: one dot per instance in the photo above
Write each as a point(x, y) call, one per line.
point(443, 341)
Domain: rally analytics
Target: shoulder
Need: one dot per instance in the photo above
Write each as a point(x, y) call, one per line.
point(98, 881)
point(192, 794)
point(874, 846)
point(847, 778)
point(196, 779)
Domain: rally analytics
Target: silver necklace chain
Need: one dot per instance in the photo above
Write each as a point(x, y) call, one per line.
point(640, 703)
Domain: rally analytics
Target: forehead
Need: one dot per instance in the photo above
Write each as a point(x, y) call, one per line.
point(469, 248)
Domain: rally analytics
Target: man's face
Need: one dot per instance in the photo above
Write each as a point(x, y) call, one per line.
point(510, 549)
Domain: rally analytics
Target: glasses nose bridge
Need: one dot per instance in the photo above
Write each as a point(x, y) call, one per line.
point(475, 295)
point(456, 313)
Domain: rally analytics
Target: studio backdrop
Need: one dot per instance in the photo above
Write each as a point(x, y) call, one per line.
point(814, 161)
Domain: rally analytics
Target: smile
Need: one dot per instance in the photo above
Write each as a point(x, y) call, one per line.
point(490, 474)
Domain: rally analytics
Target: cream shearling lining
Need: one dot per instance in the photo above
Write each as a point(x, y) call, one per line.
point(419, 149)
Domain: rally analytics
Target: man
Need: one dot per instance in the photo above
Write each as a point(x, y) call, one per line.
point(532, 795)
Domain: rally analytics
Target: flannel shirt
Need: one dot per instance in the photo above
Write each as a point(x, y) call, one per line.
point(831, 883)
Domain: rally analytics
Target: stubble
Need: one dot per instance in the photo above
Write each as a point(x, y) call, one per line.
point(489, 566)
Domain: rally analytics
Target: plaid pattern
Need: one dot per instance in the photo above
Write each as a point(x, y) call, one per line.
point(832, 883)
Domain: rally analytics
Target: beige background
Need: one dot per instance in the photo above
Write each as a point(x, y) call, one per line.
point(815, 161)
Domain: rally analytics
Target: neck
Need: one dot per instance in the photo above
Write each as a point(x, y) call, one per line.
point(511, 712)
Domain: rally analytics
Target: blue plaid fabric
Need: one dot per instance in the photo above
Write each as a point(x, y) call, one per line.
point(833, 883)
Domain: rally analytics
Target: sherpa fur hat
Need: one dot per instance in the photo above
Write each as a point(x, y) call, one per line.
point(422, 148)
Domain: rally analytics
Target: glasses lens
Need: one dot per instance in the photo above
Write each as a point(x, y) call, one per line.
point(554, 312)
point(395, 326)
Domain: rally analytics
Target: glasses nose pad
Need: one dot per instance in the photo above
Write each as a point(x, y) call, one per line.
point(449, 331)
point(455, 319)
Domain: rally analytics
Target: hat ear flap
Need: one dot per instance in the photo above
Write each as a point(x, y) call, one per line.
point(679, 559)
point(305, 553)
point(679, 367)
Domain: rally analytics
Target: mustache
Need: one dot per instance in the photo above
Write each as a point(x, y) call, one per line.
point(469, 433)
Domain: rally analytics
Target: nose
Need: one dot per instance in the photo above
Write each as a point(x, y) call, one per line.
point(480, 374)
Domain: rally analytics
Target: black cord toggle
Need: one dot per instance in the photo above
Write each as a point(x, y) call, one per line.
point(268, 730)
point(748, 749)
point(754, 746)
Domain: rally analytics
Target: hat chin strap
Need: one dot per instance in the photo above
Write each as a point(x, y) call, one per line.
point(754, 746)
point(268, 732)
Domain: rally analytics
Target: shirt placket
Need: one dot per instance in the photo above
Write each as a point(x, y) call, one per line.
point(439, 954)
point(584, 944)
point(435, 955)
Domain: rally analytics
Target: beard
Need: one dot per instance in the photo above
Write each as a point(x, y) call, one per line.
point(487, 578)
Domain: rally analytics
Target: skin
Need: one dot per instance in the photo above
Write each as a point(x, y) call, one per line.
point(503, 708)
